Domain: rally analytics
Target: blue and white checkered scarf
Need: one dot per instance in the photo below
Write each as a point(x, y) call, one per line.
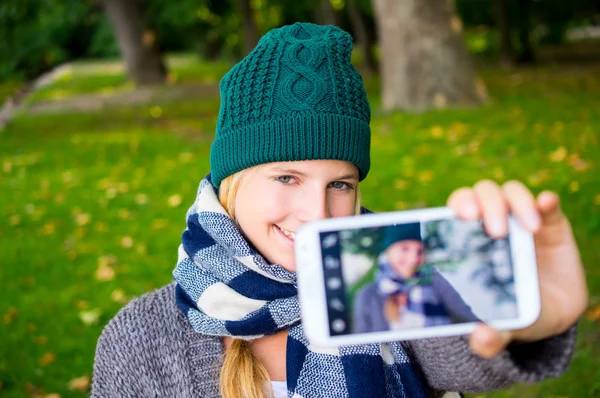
point(226, 288)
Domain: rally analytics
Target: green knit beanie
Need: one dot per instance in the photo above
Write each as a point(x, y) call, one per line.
point(296, 96)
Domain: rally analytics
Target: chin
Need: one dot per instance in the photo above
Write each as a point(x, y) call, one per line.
point(288, 265)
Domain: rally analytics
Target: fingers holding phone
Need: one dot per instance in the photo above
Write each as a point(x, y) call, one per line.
point(563, 288)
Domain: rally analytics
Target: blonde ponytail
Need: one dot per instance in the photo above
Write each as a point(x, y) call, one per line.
point(242, 375)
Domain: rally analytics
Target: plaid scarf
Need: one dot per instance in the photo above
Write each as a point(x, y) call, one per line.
point(423, 307)
point(226, 288)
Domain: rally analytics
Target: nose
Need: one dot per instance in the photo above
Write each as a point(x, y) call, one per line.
point(415, 258)
point(314, 205)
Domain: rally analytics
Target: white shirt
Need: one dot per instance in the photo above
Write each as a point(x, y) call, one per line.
point(279, 389)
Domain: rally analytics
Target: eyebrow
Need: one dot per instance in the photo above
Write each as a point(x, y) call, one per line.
point(303, 174)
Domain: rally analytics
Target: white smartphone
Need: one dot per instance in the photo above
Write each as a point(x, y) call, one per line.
point(412, 274)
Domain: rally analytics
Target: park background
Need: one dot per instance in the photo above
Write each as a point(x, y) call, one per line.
point(110, 108)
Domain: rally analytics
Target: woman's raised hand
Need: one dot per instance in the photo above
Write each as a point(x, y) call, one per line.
point(563, 288)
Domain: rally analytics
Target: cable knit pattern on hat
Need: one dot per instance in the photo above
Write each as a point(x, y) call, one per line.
point(296, 96)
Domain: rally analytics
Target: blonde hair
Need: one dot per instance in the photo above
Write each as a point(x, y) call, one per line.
point(242, 374)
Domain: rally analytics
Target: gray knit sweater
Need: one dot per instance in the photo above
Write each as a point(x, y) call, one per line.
point(149, 350)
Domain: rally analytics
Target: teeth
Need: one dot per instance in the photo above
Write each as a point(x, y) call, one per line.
point(289, 234)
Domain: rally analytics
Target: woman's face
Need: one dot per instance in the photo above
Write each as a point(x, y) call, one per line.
point(405, 257)
point(275, 199)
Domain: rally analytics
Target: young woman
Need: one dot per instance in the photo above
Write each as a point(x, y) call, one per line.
point(292, 144)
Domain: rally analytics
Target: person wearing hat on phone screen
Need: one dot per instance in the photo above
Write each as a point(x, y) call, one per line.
point(407, 292)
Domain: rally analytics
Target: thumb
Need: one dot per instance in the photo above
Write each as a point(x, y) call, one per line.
point(488, 342)
point(556, 228)
point(549, 207)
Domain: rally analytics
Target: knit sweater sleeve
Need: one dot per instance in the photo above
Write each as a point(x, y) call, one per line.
point(148, 350)
point(449, 365)
point(115, 365)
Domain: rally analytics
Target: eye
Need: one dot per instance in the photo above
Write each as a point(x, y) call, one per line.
point(285, 179)
point(341, 185)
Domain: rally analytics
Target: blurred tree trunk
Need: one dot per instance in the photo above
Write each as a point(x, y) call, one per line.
point(425, 63)
point(526, 52)
point(507, 50)
point(137, 44)
point(250, 29)
point(363, 36)
point(325, 14)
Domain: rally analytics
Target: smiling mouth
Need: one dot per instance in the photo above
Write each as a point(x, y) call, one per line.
point(291, 235)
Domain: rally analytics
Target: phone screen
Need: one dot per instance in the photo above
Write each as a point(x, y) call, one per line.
point(415, 275)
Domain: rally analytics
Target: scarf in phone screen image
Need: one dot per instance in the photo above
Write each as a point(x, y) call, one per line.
point(226, 288)
point(424, 306)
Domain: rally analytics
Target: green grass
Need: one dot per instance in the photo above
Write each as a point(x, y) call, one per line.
point(112, 187)
point(106, 78)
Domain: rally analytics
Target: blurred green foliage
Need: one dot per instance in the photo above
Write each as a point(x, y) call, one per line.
point(40, 34)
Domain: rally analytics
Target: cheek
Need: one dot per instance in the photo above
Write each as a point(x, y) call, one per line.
point(257, 206)
point(342, 204)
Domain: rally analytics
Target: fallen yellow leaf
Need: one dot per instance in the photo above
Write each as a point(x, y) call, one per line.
point(425, 176)
point(597, 199)
point(10, 315)
point(118, 296)
point(574, 186)
point(558, 155)
point(400, 205)
point(473, 146)
point(158, 223)
point(41, 340)
point(67, 177)
point(498, 173)
point(124, 214)
point(100, 226)
point(82, 304)
point(111, 193)
point(82, 219)
point(127, 242)
point(174, 200)
point(122, 187)
point(105, 273)
point(79, 383)
point(48, 228)
point(156, 111)
point(7, 166)
point(141, 199)
point(593, 314)
point(186, 157)
point(460, 150)
point(90, 317)
point(47, 358)
point(577, 163)
point(539, 177)
point(141, 248)
point(401, 184)
point(107, 260)
point(437, 132)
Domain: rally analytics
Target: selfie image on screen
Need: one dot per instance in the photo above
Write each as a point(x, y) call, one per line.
point(416, 275)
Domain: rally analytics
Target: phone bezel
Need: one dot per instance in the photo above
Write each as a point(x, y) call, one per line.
point(311, 284)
